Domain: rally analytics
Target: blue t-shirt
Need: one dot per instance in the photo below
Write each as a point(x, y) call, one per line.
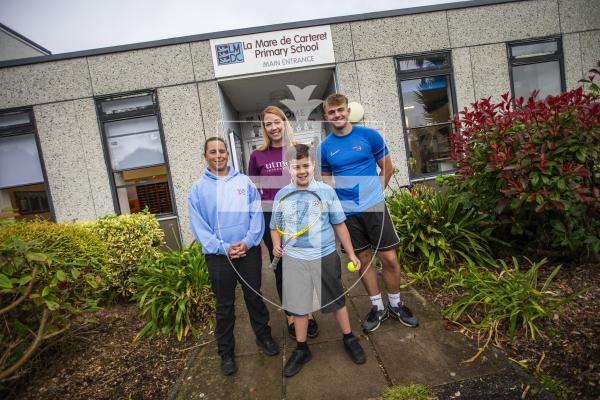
point(352, 160)
point(319, 241)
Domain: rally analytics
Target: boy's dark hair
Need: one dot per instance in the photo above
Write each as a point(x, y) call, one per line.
point(334, 99)
point(298, 152)
point(212, 139)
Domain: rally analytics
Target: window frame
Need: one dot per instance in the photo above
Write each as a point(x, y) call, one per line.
point(152, 110)
point(29, 129)
point(515, 62)
point(425, 73)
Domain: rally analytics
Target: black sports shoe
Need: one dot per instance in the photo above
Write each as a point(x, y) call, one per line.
point(292, 331)
point(403, 314)
point(228, 366)
point(268, 345)
point(374, 319)
point(313, 329)
point(296, 361)
point(355, 350)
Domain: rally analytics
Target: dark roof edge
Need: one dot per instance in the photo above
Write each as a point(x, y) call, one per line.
point(25, 39)
point(252, 30)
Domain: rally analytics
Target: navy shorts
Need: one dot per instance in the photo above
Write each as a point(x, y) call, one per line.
point(373, 228)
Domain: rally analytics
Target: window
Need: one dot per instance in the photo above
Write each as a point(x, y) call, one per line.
point(136, 158)
point(22, 177)
point(426, 95)
point(536, 65)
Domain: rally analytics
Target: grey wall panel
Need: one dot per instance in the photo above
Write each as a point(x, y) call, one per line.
point(204, 69)
point(342, 42)
point(572, 60)
point(74, 160)
point(44, 83)
point(579, 15)
point(379, 93)
point(184, 139)
point(503, 22)
point(141, 69)
point(348, 81)
point(590, 50)
point(463, 77)
point(400, 35)
point(490, 71)
point(211, 108)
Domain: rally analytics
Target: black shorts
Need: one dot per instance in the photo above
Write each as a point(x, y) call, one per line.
point(373, 228)
point(302, 278)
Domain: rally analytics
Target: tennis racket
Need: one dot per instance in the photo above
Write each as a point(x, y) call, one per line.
point(296, 213)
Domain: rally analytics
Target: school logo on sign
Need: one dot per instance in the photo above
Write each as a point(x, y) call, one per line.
point(230, 53)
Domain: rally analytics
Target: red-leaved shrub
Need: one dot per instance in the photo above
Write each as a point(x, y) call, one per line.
point(533, 166)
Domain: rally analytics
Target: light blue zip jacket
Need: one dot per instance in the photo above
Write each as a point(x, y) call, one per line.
point(224, 211)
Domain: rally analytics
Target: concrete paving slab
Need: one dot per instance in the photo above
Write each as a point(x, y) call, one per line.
point(330, 330)
point(258, 377)
point(429, 354)
point(332, 375)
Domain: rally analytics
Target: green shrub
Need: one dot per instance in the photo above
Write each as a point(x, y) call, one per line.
point(70, 244)
point(40, 296)
point(534, 167)
point(501, 301)
point(436, 233)
point(173, 292)
point(130, 239)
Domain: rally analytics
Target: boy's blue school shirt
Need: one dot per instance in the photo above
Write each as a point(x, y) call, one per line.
point(319, 241)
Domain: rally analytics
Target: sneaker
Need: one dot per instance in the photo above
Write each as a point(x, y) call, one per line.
point(404, 315)
point(374, 319)
point(355, 350)
point(228, 366)
point(296, 361)
point(313, 329)
point(292, 331)
point(268, 345)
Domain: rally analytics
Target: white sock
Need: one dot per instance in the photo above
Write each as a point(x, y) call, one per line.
point(377, 301)
point(394, 299)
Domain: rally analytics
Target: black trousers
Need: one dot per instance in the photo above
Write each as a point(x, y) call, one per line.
point(224, 278)
point(279, 270)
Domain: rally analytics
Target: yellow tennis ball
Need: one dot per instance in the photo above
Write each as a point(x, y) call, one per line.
point(351, 267)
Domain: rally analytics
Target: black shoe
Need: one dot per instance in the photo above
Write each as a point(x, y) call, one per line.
point(228, 366)
point(355, 350)
point(404, 315)
point(296, 361)
point(292, 331)
point(374, 319)
point(313, 329)
point(268, 345)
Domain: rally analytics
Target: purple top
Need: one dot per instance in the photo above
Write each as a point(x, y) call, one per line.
point(268, 170)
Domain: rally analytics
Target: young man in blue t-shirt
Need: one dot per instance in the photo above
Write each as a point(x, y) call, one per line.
point(350, 156)
point(311, 262)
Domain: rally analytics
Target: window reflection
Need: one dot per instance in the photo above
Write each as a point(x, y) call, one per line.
point(426, 101)
point(426, 92)
point(542, 76)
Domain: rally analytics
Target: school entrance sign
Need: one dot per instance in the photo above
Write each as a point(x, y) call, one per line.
point(271, 51)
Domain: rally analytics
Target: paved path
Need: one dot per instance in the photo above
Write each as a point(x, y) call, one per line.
point(428, 354)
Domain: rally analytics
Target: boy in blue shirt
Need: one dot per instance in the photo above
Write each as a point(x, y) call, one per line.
point(311, 261)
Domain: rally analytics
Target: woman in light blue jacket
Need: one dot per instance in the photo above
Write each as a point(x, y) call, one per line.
point(227, 220)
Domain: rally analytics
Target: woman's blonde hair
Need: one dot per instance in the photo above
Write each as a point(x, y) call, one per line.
point(287, 135)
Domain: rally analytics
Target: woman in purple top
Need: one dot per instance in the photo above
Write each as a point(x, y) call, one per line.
point(268, 169)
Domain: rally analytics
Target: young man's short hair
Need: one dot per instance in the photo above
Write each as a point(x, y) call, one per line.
point(335, 99)
point(299, 151)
